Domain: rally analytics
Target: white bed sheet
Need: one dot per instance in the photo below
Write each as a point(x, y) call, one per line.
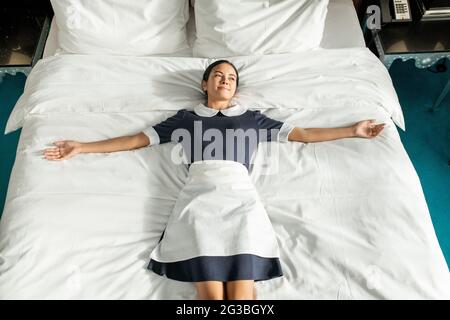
point(350, 215)
point(342, 30)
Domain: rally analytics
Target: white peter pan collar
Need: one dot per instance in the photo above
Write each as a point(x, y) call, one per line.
point(204, 111)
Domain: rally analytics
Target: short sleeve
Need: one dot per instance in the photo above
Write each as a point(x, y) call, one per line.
point(276, 130)
point(162, 132)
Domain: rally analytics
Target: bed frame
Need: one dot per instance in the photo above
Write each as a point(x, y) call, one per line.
point(360, 6)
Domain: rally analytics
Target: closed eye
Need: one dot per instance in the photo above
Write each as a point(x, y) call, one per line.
point(220, 74)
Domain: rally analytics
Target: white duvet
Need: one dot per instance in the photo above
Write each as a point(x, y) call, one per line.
point(350, 215)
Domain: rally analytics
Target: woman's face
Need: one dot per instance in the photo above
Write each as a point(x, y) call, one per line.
point(221, 84)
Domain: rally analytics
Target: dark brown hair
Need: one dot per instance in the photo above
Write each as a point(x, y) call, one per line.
point(215, 63)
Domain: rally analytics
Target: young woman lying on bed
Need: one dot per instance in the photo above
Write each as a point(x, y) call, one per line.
point(221, 240)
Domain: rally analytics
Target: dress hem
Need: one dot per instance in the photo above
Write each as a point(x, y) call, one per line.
point(219, 268)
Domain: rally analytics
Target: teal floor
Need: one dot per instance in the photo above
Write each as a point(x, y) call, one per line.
point(427, 139)
point(11, 87)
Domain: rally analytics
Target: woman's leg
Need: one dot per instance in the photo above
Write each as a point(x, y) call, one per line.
point(210, 290)
point(241, 290)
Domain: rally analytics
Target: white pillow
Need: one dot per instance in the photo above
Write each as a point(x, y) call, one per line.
point(253, 27)
point(122, 27)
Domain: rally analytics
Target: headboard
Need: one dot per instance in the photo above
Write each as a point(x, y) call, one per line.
point(360, 6)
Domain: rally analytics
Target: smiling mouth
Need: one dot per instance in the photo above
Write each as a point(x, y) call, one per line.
point(223, 88)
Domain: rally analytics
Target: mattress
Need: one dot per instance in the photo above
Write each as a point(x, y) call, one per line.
point(350, 215)
point(342, 30)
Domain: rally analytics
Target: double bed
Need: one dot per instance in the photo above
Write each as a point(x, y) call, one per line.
point(350, 215)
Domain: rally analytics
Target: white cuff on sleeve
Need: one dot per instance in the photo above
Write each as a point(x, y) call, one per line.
point(151, 133)
point(284, 132)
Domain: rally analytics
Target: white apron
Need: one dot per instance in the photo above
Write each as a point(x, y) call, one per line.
point(218, 230)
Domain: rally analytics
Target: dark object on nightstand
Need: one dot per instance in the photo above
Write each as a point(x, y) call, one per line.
point(434, 9)
point(23, 32)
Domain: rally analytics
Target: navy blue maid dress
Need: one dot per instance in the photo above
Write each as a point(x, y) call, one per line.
point(219, 229)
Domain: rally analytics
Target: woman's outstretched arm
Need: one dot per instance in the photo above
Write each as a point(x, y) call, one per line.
point(363, 129)
point(67, 148)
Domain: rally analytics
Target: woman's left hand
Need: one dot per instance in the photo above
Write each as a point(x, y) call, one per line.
point(367, 129)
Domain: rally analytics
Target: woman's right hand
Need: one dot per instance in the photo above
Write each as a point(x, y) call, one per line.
point(63, 150)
